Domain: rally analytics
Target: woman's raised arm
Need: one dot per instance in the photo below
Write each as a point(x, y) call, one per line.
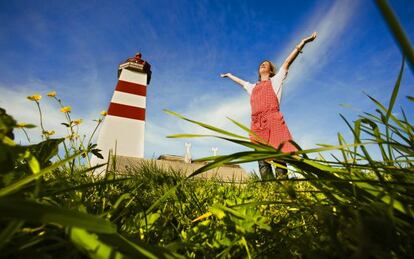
point(235, 79)
point(298, 49)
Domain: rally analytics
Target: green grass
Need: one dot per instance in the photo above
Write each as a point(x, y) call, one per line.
point(353, 205)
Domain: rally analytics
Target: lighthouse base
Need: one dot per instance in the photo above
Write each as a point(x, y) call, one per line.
point(131, 165)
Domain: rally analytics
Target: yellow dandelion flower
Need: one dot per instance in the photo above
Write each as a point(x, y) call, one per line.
point(51, 94)
point(104, 113)
point(66, 109)
point(77, 122)
point(35, 97)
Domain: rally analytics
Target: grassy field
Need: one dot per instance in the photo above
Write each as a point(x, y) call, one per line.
point(352, 205)
point(349, 206)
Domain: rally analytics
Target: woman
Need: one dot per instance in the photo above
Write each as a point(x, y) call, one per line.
point(266, 120)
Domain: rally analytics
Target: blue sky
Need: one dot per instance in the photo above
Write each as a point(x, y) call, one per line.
point(74, 47)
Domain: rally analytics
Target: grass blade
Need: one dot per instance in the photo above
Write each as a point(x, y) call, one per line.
point(9, 231)
point(204, 125)
point(397, 30)
point(395, 91)
point(92, 245)
point(35, 212)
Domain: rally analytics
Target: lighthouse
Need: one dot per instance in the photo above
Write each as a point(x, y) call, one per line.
point(123, 129)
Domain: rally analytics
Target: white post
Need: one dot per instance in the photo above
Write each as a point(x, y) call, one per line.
point(214, 149)
point(187, 156)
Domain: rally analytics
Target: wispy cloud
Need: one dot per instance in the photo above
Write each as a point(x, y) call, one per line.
point(330, 23)
point(211, 109)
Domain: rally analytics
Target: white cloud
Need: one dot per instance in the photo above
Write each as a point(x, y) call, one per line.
point(330, 23)
point(210, 109)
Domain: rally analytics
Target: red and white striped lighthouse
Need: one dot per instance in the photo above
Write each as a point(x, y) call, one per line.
point(122, 131)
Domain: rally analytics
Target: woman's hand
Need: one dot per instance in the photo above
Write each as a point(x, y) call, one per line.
point(310, 38)
point(234, 78)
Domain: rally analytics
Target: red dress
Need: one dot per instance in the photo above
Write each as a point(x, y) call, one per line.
point(267, 120)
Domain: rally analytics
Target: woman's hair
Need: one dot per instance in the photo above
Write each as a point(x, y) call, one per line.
point(272, 68)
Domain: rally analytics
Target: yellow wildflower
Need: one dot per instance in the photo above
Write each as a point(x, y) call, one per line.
point(21, 125)
point(35, 97)
point(48, 133)
point(104, 113)
point(24, 125)
point(66, 109)
point(77, 122)
point(51, 94)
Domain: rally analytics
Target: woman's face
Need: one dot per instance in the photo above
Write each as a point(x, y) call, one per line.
point(264, 68)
